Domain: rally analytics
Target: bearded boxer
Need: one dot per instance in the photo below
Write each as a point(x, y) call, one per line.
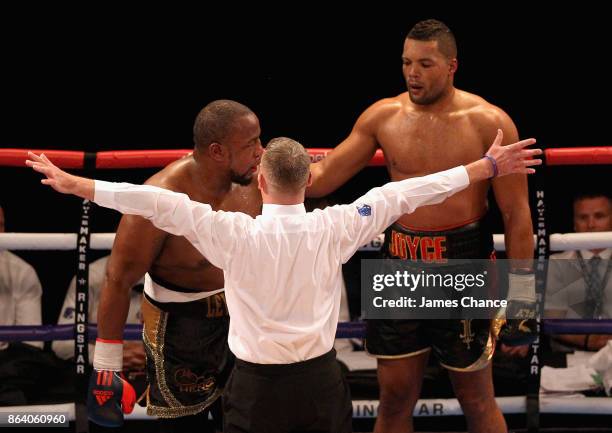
point(184, 312)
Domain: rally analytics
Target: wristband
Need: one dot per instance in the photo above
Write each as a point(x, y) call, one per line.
point(493, 163)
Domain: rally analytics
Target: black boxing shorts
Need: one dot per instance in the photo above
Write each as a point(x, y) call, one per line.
point(460, 345)
point(188, 358)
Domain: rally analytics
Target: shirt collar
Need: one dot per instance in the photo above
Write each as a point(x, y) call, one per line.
point(605, 254)
point(283, 209)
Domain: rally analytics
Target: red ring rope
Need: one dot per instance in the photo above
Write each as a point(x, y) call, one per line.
point(159, 158)
point(129, 158)
point(138, 158)
point(579, 155)
point(61, 158)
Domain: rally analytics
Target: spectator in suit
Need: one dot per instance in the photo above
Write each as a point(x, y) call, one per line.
point(579, 284)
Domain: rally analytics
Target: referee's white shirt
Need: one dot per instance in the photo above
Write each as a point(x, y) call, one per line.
point(282, 269)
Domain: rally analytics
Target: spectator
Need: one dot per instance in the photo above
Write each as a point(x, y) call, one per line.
point(579, 284)
point(20, 304)
point(133, 351)
point(20, 292)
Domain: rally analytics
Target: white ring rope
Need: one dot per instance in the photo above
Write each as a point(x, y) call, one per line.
point(104, 241)
point(52, 241)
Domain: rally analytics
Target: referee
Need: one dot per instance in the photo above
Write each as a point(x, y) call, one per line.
point(283, 273)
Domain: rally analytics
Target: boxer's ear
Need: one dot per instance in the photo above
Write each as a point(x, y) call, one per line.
point(217, 151)
point(453, 64)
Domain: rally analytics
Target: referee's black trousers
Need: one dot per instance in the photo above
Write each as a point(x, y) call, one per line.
point(310, 396)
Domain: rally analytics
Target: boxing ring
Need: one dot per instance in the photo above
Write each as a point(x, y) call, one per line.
point(83, 241)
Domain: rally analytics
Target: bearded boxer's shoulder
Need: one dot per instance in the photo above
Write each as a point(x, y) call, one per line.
point(176, 177)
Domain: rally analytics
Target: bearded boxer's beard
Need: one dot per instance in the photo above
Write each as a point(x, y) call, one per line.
point(241, 179)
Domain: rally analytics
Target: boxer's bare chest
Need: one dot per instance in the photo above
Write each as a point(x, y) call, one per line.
point(180, 263)
point(417, 144)
point(422, 143)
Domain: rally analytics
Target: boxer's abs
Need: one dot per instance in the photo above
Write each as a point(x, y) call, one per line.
point(464, 207)
point(406, 160)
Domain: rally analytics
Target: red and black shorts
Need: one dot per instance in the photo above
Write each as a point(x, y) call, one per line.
point(462, 345)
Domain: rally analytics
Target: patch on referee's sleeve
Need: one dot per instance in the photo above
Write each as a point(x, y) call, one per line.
point(364, 210)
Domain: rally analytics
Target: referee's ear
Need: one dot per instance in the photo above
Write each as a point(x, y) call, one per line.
point(261, 181)
point(309, 181)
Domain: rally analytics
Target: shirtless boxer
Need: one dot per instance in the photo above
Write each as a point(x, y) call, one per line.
point(184, 312)
point(431, 127)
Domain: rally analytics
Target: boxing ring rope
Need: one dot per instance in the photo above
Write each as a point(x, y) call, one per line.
point(579, 156)
point(361, 408)
point(128, 158)
point(104, 241)
point(159, 158)
point(345, 330)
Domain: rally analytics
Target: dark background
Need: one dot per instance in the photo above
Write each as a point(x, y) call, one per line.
point(102, 80)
